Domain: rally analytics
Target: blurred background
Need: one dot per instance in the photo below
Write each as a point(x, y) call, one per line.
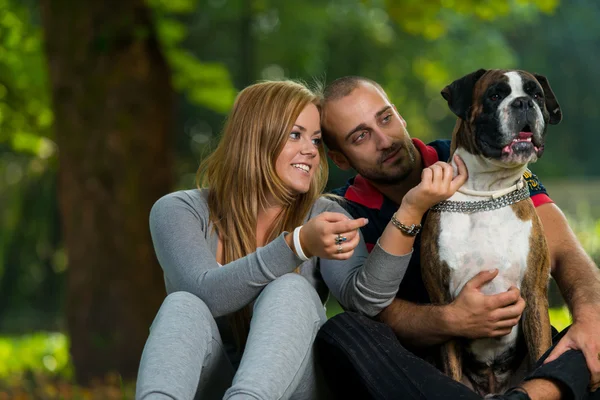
point(105, 106)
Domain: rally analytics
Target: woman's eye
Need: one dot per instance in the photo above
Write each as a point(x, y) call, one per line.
point(317, 141)
point(295, 135)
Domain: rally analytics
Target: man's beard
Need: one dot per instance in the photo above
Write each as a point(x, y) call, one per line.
point(401, 169)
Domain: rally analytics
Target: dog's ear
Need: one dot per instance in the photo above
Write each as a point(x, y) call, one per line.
point(459, 94)
point(551, 102)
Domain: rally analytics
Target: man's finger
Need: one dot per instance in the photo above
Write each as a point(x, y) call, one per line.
point(438, 173)
point(592, 359)
point(482, 278)
point(560, 348)
point(505, 299)
point(426, 175)
point(462, 173)
point(501, 332)
point(510, 312)
point(448, 172)
point(507, 323)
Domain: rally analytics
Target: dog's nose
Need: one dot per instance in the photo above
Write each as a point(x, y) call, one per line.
point(523, 103)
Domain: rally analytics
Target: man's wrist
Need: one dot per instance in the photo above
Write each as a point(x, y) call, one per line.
point(408, 214)
point(450, 323)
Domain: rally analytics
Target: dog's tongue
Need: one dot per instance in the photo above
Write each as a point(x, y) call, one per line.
point(525, 135)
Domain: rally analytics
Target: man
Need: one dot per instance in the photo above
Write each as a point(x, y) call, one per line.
point(364, 131)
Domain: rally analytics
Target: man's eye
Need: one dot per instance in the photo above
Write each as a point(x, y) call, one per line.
point(387, 118)
point(360, 137)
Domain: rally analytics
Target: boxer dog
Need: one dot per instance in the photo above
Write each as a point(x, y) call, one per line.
point(491, 221)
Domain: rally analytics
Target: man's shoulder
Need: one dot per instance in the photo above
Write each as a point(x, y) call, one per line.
point(442, 147)
point(341, 191)
point(357, 203)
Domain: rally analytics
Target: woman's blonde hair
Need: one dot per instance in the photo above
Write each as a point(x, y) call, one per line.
point(242, 178)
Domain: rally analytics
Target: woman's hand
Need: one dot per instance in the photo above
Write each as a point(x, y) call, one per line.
point(438, 183)
point(318, 236)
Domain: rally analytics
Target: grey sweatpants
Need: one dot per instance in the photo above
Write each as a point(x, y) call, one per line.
point(184, 358)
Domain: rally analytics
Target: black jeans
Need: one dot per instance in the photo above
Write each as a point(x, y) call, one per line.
point(363, 359)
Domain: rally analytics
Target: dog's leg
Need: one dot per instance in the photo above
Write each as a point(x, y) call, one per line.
point(436, 276)
point(536, 321)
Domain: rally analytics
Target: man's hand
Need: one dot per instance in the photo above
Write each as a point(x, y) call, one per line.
point(438, 183)
point(476, 315)
point(583, 335)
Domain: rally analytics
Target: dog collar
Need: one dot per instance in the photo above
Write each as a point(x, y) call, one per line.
point(469, 207)
point(493, 194)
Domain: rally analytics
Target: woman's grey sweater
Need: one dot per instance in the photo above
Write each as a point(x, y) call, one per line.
point(186, 246)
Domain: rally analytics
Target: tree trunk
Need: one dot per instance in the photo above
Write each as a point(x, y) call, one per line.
point(112, 101)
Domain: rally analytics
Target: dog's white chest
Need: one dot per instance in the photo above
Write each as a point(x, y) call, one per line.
point(471, 243)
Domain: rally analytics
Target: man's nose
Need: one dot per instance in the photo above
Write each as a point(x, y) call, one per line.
point(383, 141)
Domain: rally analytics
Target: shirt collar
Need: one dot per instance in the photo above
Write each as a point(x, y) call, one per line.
point(361, 191)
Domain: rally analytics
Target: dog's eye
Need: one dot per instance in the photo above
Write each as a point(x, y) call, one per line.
point(537, 96)
point(494, 97)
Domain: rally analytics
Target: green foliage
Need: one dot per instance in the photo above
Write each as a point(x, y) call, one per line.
point(423, 18)
point(205, 84)
point(560, 318)
point(47, 353)
point(38, 366)
point(587, 230)
point(25, 113)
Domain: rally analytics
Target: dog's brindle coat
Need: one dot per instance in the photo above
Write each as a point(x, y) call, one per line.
point(493, 108)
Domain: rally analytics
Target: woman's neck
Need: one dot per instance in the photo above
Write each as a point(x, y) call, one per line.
point(264, 222)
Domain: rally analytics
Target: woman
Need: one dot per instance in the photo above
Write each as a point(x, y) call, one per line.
point(256, 245)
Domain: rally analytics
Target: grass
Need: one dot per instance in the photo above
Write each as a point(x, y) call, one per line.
point(37, 366)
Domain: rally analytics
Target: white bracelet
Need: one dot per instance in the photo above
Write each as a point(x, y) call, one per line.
point(297, 245)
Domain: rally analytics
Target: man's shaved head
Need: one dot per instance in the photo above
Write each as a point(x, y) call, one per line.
point(336, 90)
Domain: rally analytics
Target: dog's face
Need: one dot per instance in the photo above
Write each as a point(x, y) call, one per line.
point(507, 111)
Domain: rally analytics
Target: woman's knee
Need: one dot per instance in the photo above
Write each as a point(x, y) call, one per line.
point(293, 290)
point(182, 306)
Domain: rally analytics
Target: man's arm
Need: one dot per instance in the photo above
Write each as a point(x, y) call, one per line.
point(574, 271)
point(579, 282)
point(472, 314)
point(419, 325)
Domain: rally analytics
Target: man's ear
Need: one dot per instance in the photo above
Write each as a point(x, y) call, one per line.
point(459, 94)
point(550, 99)
point(339, 159)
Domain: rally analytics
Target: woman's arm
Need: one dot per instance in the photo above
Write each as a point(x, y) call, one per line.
point(178, 223)
point(366, 283)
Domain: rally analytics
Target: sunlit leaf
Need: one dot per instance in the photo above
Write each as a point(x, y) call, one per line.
point(560, 318)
